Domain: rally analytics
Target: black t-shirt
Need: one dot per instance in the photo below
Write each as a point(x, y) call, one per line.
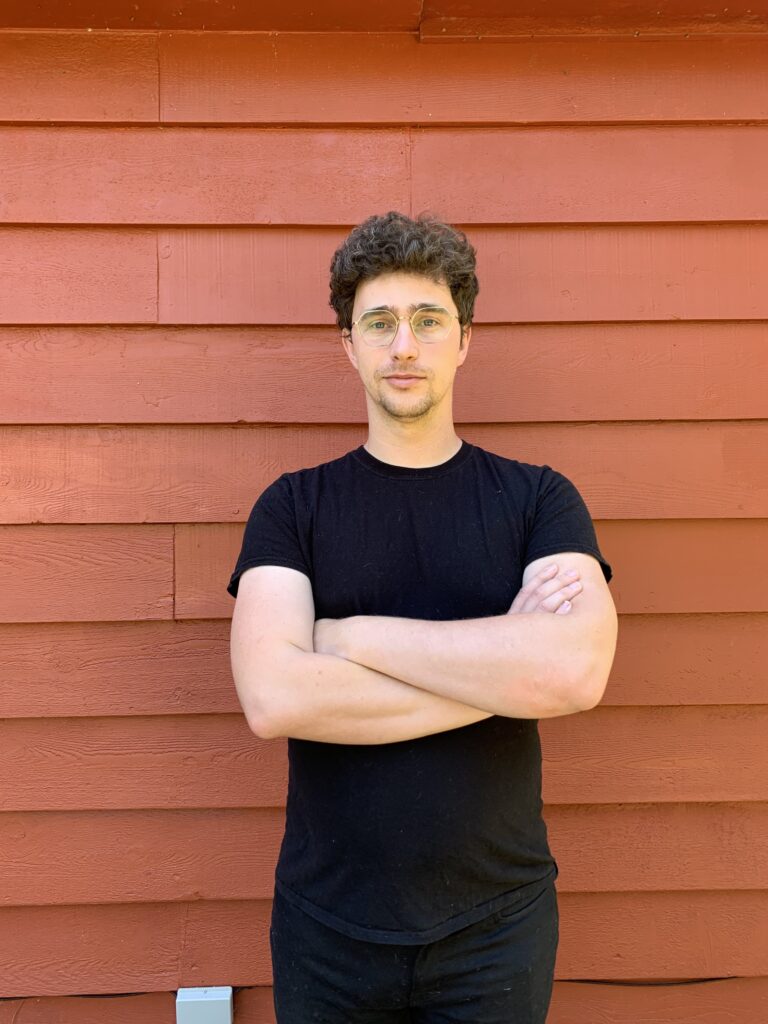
point(406, 842)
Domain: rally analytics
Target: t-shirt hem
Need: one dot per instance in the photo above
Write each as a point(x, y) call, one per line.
point(266, 560)
point(507, 900)
point(554, 549)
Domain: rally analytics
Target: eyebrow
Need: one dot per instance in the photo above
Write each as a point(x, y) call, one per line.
point(412, 308)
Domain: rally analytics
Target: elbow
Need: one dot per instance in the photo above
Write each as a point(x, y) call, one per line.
point(589, 688)
point(262, 727)
point(264, 696)
point(587, 698)
point(260, 712)
point(266, 720)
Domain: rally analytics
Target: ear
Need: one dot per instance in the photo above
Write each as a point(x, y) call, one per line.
point(348, 346)
point(464, 345)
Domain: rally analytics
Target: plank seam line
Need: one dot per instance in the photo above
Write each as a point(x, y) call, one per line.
point(173, 573)
point(157, 65)
point(409, 159)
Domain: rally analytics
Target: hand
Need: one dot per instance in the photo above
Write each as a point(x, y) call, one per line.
point(547, 591)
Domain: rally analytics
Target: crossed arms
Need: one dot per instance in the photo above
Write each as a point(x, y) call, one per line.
point(379, 679)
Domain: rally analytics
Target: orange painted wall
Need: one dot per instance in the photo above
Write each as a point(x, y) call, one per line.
point(169, 204)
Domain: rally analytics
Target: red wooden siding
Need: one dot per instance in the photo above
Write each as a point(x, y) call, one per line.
point(170, 202)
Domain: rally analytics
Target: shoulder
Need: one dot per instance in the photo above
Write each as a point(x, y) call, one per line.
point(527, 475)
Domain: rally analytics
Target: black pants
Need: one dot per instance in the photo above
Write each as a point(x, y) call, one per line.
point(498, 971)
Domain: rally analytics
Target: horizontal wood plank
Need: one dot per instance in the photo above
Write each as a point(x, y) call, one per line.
point(660, 566)
point(528, 274)
point(599, 174)
point(743, 999)
point(605, 756)
point(77, 275)
point(530, 373)
point(188, 474)
point(78, 76)
point(192, 761)
point(130, 1008)
point(79, 573)
point(313, 78)
point(266, 16)
point(669, 754)
point(108, 572)
point(247, 275)
point(84, 573)
point(344, 15)
point(156, 947)
point(207, 175)
point(233, 176)
point(673, 19)
point(214, 854)
point(92, 669)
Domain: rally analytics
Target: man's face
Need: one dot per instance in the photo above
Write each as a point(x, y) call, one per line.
point(433, 364)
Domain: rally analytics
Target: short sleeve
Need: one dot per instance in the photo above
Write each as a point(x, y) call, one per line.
point(271, 535)
point(561, 522)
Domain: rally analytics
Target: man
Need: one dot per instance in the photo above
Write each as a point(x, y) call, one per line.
point(405, 616)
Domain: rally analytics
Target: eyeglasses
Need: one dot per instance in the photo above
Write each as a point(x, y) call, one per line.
point(429, 324)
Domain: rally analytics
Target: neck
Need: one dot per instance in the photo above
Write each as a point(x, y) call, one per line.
point(400, 444)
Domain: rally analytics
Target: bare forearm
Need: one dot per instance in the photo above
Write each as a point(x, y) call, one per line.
point(327, 698)
point(524, 666)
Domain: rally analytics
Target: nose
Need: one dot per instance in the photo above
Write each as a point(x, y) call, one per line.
point(404, 344)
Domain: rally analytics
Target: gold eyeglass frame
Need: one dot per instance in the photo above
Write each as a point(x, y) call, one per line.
point(405, 316)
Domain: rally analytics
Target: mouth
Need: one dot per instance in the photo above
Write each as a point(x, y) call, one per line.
point(403, 380)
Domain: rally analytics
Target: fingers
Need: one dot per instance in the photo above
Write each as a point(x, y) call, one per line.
point(549, 590)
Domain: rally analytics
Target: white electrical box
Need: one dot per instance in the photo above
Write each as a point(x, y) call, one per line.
point(211, 1005)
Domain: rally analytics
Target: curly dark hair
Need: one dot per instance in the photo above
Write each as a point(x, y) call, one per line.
point(395, 242)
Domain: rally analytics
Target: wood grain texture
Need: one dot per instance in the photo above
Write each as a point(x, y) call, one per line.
point(530, 274)
point(528, 373)
point(85, 573)
point(79, 76)
point(162, 946)
point(203, 175)
point(321, 79)
point(655, 754)
point(105, 764)
point(157, 856)
point(77, 275)
point(214, 474)
point(182, 667)
point(608, 755)
point(234, 176)
point(728, 999)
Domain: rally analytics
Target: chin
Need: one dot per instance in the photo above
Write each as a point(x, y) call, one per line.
point(407, 410)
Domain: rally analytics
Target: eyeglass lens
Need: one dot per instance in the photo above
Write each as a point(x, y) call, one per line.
point(378, 327)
